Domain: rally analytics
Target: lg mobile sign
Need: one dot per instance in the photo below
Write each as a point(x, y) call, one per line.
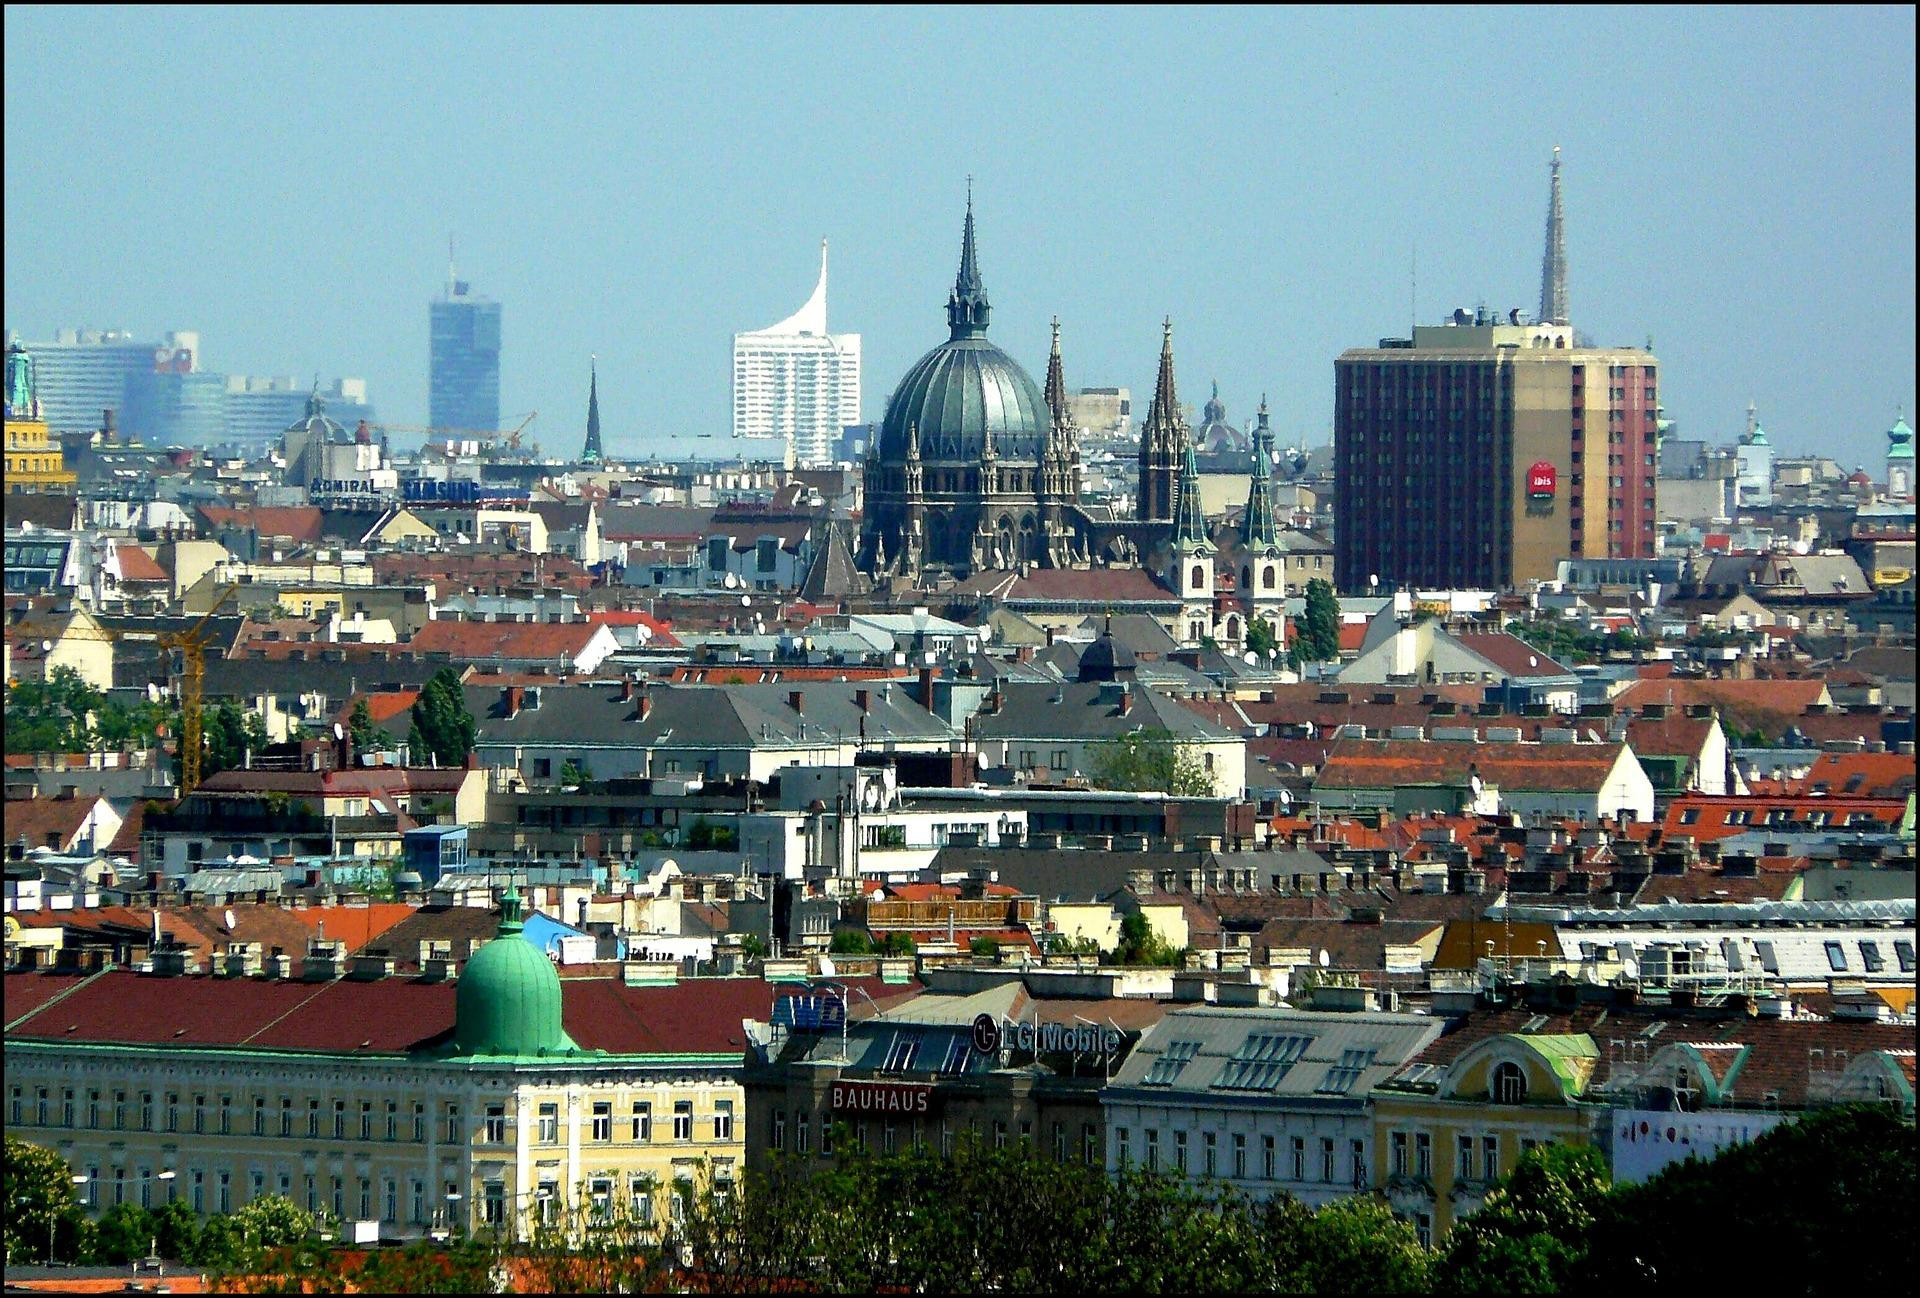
point(991, 1035)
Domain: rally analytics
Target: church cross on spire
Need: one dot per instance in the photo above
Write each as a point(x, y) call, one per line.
point(1163, 417)
point(967, 308)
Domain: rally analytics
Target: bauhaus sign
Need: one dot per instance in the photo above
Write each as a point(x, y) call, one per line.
point(1542, 480)
point(881, 1097)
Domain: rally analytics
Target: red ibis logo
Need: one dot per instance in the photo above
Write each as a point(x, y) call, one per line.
point(1542, 480)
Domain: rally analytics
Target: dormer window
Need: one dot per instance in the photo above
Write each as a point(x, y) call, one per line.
point(1509, 1084)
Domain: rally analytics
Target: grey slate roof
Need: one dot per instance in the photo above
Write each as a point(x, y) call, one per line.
point(1081, 711)
point(730, 716)
point(1336, 1058)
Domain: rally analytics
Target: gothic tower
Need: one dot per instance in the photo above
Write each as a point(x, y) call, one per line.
point(1553, 266)
point(1161, 439)
point(1192, 555)
point(1262, 588)
point(592, 453)
point(1059, 478)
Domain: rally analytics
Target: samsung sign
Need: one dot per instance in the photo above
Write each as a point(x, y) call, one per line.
point(992, 1035)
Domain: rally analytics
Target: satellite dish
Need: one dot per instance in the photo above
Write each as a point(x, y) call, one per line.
point(229, 918)
point(826, 967)
point(339, 731)
point(1325, 959)
point(746, 601)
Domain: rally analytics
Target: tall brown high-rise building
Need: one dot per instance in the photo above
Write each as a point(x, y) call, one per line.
point(1479, 454)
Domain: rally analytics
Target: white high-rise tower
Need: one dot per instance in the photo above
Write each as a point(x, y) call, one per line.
point(796, 382)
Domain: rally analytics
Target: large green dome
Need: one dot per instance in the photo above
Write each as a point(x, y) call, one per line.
point(507, 1001)
point(956, 394)
point(966, 387)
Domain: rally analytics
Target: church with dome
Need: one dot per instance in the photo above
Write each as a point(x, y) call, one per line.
point(977, 468)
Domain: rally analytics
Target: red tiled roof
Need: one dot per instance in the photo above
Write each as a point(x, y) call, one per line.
point(525, 641)
point(46, 822)
point(1769, 706)
point(1511, 654)
point(382, 705)
point(1387, 763)
point(382, 1015)
point(355, 925)
point(1872, 775)
point(137, 564)
point(1703, 817)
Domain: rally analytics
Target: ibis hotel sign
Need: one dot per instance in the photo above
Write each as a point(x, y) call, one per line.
point(991, 1035)
point(1543, 480)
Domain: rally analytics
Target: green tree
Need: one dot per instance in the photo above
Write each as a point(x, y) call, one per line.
point(753, 946)
point(443, 728)
point(1140, 945)
point(1147, 761)
point(119, 727)
point(705, 836)
point(1260, 637)
point(1822, 1205)
point(176, 1230)
point(39, 1191)
point(1531, 1233)
point(1357, 1246)
point(984, 946)
point(274, 1221)
point(897, 944)
point(126, 1232)
point(574, 774)
point(367, 737)
point(54, 714)
point(851, 941)
point(1316, 635)
point(227, 736)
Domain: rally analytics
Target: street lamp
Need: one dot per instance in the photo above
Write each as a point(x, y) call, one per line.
point(53, 1218)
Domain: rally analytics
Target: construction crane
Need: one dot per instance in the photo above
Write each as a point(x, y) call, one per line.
point(491, 436)
point(192, 646)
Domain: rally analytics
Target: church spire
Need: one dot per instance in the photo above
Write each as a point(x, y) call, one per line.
point(1553, 266)
point(1260, 528)
point(592, 453)
point(1056, 389)
point(967, 308)
point(1192, 526)
point(1163, 416)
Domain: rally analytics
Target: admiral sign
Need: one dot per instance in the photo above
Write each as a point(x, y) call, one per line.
point(1542, 480)
point(991, 1035)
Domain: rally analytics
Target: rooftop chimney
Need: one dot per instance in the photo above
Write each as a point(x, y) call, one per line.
point(796, 699)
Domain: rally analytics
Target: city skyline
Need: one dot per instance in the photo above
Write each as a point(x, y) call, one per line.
point(1212, 208)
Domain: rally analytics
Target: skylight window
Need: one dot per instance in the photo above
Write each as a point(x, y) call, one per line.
point(1170, 1063)
point(1262, 1060)
point(1341, 1077)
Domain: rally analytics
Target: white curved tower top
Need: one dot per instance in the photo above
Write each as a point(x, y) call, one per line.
point(796, 383)
point(811, 318)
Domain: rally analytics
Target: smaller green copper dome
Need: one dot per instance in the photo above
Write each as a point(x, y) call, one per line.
point(1900, 440)
point(507, 1001)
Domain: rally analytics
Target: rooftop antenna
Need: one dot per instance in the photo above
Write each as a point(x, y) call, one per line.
point(1413, 289)
point(450, 274)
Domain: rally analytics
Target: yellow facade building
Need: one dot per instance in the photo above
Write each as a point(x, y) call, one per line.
point(34, 460)
point(411, 1104)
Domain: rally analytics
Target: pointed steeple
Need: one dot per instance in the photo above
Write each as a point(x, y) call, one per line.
point(1259, 528)
point(1553, 266)
point(1191, 529)
point(1056, 389)
point(967, 307)
point(592, 453)
point(913, 441)
point(1163, 416)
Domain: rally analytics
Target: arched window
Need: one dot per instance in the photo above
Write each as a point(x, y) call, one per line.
point(1199, 575)
point(1266, 577)
point(1246, 577)
point(1233, 628)
point(1509, 1084)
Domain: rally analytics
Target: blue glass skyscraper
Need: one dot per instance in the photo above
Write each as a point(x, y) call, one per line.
point(463, 381)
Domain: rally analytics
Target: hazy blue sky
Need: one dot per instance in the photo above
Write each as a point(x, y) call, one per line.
point(1740, 186)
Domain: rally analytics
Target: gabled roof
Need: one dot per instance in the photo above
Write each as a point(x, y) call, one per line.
point(517, 641)
point(1392, 763)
